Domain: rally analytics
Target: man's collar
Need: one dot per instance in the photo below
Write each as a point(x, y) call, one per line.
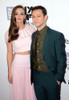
point(42, 30)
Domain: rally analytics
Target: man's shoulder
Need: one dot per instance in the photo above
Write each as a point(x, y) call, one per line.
point(54, 32)
point(34, 33)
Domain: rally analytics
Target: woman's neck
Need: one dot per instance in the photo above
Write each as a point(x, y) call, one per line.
point(21, 26)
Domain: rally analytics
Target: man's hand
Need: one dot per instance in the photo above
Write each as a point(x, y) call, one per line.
point(58, 82)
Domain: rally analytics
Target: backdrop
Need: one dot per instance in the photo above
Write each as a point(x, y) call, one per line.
point(58, 19)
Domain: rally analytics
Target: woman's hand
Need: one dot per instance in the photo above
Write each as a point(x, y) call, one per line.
point(10, 77)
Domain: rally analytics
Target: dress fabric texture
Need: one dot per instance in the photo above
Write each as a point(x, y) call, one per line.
point(21, 89)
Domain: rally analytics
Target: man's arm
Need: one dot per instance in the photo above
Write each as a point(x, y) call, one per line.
point(61, 57)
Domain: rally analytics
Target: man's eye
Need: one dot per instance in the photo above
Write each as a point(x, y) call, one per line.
point(33, 17)
point(38, 16)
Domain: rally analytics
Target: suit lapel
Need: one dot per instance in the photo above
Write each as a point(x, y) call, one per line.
point(46, 40)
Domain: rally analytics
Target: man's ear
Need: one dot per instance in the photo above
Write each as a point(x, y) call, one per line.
point(46, 17)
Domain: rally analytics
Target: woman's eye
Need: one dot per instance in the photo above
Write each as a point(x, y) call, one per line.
point(22, 14)
point(19, 14)
point(15, 13)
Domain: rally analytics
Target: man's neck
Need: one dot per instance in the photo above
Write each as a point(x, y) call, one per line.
point(41, 27)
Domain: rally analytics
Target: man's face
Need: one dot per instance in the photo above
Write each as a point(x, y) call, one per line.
point(38, 18)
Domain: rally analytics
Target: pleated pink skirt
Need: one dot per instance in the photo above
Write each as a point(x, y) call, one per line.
point(21, 89)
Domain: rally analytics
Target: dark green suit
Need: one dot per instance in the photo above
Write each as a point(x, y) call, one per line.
point(53, 54)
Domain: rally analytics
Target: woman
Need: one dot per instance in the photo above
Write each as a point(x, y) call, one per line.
point(18, 40)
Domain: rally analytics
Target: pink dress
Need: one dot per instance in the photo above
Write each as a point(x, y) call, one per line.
point(21, 89)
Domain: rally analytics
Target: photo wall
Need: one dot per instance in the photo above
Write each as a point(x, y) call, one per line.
point(58, 19)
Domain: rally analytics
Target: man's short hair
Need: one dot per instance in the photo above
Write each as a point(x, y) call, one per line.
point(44, 11)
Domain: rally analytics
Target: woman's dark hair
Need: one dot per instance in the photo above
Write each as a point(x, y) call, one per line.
point(44, 11)
point(13, 29)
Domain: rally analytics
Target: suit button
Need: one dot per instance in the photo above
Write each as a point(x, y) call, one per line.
point(37, 50)
point(39, 66)
point(38, 59)
point(37, 43)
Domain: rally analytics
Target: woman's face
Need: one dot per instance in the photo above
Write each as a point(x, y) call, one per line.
point(20, 15)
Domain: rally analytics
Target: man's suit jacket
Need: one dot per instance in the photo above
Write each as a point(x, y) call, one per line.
point(53, 52)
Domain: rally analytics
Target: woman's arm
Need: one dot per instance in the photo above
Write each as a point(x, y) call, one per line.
point(9, 61)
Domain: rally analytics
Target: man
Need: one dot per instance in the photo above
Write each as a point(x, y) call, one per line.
point(48, 57)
